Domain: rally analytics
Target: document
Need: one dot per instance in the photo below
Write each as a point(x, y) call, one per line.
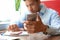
point(8, 33)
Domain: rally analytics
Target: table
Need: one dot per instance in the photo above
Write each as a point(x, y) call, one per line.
point(25, 38)
point(12, 37)
point(53, 38)
point(30, 37)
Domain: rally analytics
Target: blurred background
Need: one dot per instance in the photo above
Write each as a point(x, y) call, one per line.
point(11, 9)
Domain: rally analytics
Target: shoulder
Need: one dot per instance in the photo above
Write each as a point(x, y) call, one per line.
point(51, 11)
point(46, 10)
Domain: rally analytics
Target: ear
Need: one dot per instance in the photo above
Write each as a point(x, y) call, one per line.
point(39, 2)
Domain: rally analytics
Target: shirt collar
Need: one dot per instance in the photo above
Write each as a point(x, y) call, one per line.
point(43, 8)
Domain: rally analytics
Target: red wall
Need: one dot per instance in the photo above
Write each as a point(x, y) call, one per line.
point(53, 4)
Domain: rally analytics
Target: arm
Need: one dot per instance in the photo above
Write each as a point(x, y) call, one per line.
point(16, 24)
point(54, 28)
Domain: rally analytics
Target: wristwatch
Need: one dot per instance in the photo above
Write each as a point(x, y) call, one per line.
point(46, 32)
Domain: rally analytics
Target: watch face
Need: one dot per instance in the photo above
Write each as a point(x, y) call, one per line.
point(31, 17)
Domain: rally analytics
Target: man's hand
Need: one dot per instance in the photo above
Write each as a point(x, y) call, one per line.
point(35, 26)
point(13, 28)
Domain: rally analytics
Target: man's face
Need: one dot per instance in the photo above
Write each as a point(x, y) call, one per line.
point(33, 6)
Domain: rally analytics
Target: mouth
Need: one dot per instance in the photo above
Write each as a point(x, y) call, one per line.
point(33, 11)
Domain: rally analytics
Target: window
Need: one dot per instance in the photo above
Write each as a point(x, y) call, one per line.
point(7, 10)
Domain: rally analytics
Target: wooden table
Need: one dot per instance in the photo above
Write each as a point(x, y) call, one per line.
point(49, 38)
point(12, 37)
point(53, 38)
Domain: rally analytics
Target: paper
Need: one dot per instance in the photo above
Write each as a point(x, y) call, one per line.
point(24, 33)
point(16, 33)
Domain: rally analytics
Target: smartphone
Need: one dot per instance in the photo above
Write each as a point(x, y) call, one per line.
point(31, 17)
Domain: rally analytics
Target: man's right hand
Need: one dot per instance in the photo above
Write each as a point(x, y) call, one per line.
point(13, 28)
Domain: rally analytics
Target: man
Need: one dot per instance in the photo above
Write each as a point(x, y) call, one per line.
point(48, 19)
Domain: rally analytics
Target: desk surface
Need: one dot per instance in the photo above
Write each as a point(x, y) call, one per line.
point(53, 38)
point(12, 37)
point(42, 36)
point(50, 38)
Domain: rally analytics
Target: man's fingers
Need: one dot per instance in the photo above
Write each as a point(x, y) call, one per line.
point(13, 28)
point(31, 30)
point(26, 22)
point(38, 17)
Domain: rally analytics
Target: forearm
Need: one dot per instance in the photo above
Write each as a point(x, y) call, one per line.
point(53, 31)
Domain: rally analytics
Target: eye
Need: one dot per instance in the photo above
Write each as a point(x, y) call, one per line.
point(32, 4)
point(27, 5)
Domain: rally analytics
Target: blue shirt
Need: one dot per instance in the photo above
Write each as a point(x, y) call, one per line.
point(48, 16)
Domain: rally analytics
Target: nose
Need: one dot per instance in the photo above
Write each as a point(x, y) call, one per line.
point(30, 8)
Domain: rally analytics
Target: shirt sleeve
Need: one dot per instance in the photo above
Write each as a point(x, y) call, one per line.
point(18, 20)
point(54, 28)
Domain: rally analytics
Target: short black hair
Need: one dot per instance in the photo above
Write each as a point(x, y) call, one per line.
point(34, 0)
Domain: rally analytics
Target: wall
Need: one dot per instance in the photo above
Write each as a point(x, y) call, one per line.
point(54, 4)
